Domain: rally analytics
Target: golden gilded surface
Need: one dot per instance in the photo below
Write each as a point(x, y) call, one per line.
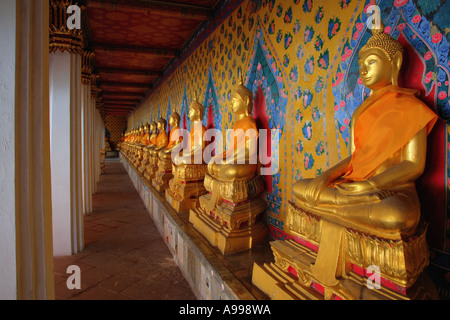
point(363, 212)
point(156, 145)
point(187, 185)
point(230, 214)
point(164, 172)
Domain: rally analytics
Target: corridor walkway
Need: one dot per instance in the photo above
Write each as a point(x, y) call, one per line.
point(125, 256)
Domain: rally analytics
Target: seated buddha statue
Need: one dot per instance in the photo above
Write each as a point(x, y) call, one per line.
point(188, 168)
point(162, 140)
point(374, 188)
point(143, 143)
point(164, 172)
point(139, 145)
point(146, 142)
point(134, 144)
point(229, 215)
point(365, 211)
point(239, 162)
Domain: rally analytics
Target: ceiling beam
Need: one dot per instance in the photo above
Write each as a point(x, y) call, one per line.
point(121, 94)
point(176, 10)
point(130, 72)
point(126, 85)
point(120, 104)
point(109, 48)
point(124, 101)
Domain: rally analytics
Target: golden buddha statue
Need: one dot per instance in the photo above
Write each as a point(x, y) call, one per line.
point(230, 214)
point(133, 143)
point(146, 164)
point(143, 143)
point(139, 151)
point(146, 143)
point(363, 212)
point(162, 140)
point(164, 172)
point(189, 169)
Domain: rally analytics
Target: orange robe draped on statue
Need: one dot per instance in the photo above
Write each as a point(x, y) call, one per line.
point(388, 120)
point(162, 139)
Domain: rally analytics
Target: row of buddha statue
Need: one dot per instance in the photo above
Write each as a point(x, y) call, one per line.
point(361, 214)
point(223, 198)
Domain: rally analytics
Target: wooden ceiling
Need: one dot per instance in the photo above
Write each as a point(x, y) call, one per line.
point(136, 41)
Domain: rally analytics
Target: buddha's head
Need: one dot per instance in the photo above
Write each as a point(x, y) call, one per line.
point(196, 111)
point(162, 124)
point(380, 60)
point(147, 128)
point(141, 129)
point(242, 99)
point(174, 119)
point(153, 127)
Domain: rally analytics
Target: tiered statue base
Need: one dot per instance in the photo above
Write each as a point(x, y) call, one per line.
point(397, 265)
point(186, 187)
point(163, 175)
point(150, 172)
point(230, 216)
point(145, 163)
point(139, 157)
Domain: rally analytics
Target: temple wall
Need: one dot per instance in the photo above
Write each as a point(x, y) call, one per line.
point(299, 57)
point(116, 126)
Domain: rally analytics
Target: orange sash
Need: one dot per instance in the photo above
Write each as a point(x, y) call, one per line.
point(389, 119)
point(162, 139)
point(171, 141)
point(241, 138)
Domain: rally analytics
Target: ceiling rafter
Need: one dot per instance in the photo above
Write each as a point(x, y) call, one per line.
point(177, 10)
point(120, 100)
point(110, 48)
point(131, 72)
point(126, 85)
point(119, 103)
point(106, 94)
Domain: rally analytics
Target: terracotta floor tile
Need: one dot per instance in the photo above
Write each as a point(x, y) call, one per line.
point(99, 293)
point(119, 282)
point(124, 256)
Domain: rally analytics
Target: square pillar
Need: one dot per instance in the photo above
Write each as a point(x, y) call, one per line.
point(65, 125)
point(26, 257)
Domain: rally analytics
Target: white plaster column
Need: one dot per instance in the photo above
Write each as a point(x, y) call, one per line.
point(65, 115)
point(86, 150)
point(88, 93)
point(26, 257)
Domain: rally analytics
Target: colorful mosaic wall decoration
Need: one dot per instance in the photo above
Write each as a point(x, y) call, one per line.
point(115, 126)
point(299, 58)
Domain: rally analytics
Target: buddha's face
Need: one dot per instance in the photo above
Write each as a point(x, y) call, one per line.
point(375, 69)
point(153, 128)
point(172, 121)
point(195, 114)
point(160, 126)
point(192, 114)
point(238, 105)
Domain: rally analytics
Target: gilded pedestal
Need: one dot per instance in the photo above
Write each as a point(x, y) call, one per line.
point(145, 160)
point(230, 215)
point(151, 169)
point(163, 175)
point(186, 187)
point(139, 157)
point(397, 265)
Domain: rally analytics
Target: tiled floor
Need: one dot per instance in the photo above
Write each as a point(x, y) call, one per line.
point(125, 256)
